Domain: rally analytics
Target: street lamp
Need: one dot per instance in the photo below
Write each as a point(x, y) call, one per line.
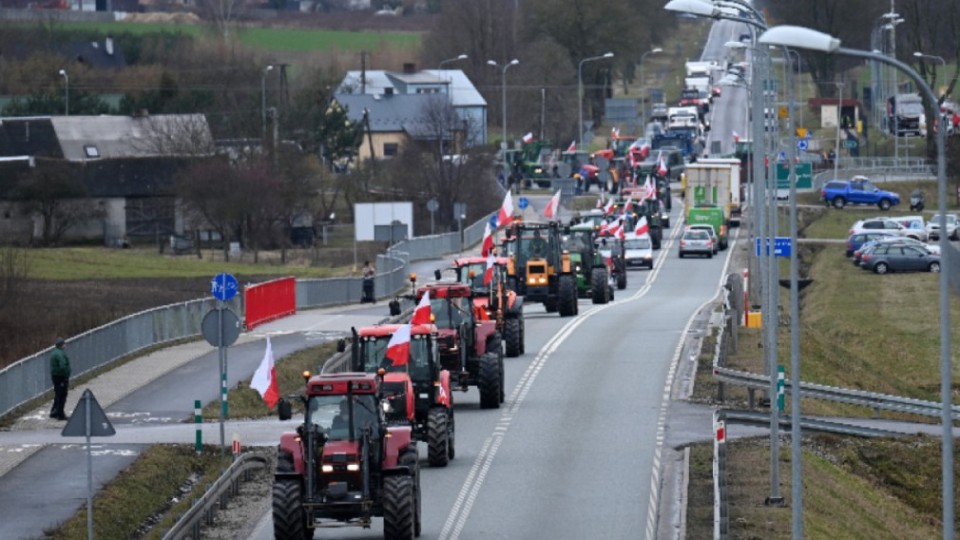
point(580, 91)
point(503, 99)
point(643, 81)
point(263, 101)
point(805, 38)
point(448, 60)
point(66, 92)
point(836, 153)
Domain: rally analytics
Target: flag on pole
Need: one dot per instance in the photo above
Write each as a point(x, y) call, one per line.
point(616, 229)
point(528, 138)
point(488, 273)
point(572, 147)
point(422, 314)
point(628, 206)
point(661, 166)
point(649, 192)
point(398, 349)
point(614, 132)
point(487, 244)
point(736, 137)
point(552, 209)
point(642, 227)
point(599, 201)
point(265, 378)
point(505, 217)
point(608, 208)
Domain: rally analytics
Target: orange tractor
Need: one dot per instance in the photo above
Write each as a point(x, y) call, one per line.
point(418, 392)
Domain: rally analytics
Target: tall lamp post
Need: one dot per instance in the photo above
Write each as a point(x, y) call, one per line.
point(836, 152)
point(643, 81)
point(448, 60)
point(263, 101)
point(503, 98)
point(66, 92)
point(580, 92)
point(805, 38)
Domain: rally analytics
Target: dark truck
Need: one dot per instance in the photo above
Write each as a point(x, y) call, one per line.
point(903, 114)
point(858, 190)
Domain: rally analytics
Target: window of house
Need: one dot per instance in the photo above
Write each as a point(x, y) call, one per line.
point(91, 151)
point(428, 90)
point(390, 149)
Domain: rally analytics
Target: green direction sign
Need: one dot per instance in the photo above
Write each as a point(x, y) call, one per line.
point(849, 143)
point(804, 176)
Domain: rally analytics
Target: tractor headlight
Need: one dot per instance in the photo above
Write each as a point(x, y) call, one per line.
point(578, 268)
point(327, 468)
point(353, 467)
point(385, 405)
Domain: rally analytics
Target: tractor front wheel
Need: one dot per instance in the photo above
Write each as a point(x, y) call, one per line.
point(399, 508)
point(489, 383)
point(438, 437)
point(289, 517)
point(567, 301)
point(513, 336)
point(598, 286)
point(412, 461)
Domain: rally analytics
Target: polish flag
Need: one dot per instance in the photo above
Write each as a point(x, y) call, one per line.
point(572, 147)
point(642, 227)
point(487, 244)
point(505, 217)
point(649, 192)
point(736, 137)
point(528, 138)
point(599, 202)
point(552, 209)
point(422, 314)
point(488, 273)
point(609, 208)
point(616, 229)
point(265, 378)
point(398, 349)
point(661, 166)
point(614, 132)
point(628, 206)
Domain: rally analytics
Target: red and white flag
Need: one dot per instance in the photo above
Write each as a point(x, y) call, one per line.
point(505, 216)
point(422, 314)
point(614, 132)
point(628, 206)
point(661, 166)
point(609, 207)
point(736, 137)
point(649, 192)
point(398, 349)
point(528, 138)
point(642, 227)
point(487, 244)
point(599, 202)
point(552, 210)
point(616, 229)
point(488, 273)
point(265, 378)
point(572, 147)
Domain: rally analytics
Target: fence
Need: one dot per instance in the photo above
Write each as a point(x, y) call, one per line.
point(29, 377)
point(878, 169)
point(269, 301)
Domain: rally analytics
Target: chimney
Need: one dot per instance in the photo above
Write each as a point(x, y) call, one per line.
point(108, 45)
point(409, 67)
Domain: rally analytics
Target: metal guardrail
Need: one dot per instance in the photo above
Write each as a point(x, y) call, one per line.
point(216, 496)
point(873, 400)
point(807, 423)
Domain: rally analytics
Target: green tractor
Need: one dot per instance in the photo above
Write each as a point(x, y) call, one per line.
point(594, 277)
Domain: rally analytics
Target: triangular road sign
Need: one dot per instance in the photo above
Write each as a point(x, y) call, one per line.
point(99, 425)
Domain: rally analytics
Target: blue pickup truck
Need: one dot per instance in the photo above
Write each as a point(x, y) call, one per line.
point(858, 190)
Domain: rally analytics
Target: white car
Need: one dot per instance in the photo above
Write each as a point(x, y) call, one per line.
point(933, 227)
point(885, 224)
point(916, 226)
point(638, 250)
point(711, 231)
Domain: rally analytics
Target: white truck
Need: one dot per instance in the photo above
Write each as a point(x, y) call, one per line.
point(707, 184)
point(735, 187)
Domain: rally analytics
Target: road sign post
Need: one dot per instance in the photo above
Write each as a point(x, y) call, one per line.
point(223, 287)
point(88, 420)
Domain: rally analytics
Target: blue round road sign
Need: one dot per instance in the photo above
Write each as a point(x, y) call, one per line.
point(223, 287)
point(523, 203)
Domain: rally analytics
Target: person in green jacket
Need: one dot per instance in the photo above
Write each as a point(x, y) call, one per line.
point(60, 373)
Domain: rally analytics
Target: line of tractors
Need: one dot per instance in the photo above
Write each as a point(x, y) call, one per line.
point(354, 457)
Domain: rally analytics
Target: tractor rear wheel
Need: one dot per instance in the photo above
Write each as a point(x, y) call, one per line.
point(598, 286)
point(452, 428)
point(289, 518)
point(512, 335)
point(399, 508)
point(438, 437)
point(411, 459)
point(489, 383)
point(567, 292)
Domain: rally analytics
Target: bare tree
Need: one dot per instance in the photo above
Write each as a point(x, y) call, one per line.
point(56, 194)
point(14, 273)
point(175, 135)
point(208, 191)
point(222, 14)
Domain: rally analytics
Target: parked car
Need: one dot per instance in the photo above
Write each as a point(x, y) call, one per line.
point(713, 234)
point(933, 249)
point(893, 257)
point(857, 240)
point(638, 250)
point(886, 224)
point(915, 225)
point(858, 190)
point(933, 227)
point(696, 242)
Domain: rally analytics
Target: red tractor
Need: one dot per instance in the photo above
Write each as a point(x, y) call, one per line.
point(418, 392)
point(470, 345)
point(500, 303)
point(344, 465)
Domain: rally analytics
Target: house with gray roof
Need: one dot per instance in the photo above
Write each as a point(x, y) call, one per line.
point(398, 105)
